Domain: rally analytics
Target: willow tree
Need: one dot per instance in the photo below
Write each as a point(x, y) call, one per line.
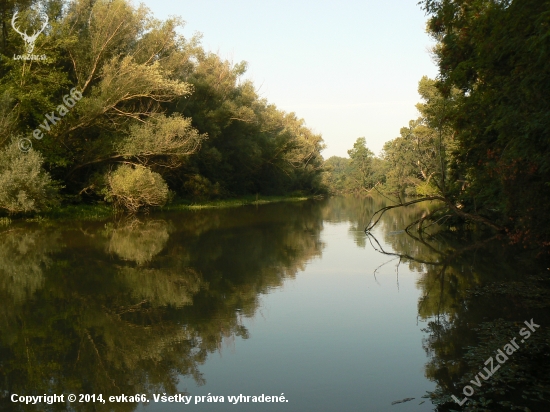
point(98, 100)
point(121, 89)
point(253, 147)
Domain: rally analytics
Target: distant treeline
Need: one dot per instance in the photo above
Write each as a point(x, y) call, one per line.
point(152, 115)
point(481, 145)
point(409, 165)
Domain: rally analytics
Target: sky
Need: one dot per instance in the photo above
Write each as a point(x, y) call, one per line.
point(349, 68)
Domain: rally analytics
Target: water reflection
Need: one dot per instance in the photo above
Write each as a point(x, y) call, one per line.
point(138, 241)
point(129, 307)
point(464, 329)
point(132, 306)
point(24, 254)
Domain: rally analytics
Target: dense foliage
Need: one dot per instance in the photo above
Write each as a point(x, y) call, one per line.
point(25, 185)
point(139, 305)
point(481, 145)
point(359, 174)
point(497, 54)
point(415, 164)
point(118, 87)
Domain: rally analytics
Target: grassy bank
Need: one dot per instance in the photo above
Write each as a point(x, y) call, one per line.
point(103, 211)
point(237, 202)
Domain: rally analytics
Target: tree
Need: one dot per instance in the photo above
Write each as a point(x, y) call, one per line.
point(496, 54)
point(335, 174)
point(252, 146)
point(419, 158)
point(360, 172)
point(122, 88)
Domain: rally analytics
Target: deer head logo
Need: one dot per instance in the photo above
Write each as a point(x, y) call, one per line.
point(29, 40)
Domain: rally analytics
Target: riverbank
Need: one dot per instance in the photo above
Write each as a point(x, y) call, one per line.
point(236, 202)
point(100, 211)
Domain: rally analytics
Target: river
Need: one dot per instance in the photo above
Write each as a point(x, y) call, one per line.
point(289, 300)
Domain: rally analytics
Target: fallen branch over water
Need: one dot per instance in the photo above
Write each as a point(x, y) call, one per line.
point(402, 401)
point(456, 209)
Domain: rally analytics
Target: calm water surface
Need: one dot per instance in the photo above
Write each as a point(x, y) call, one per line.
point(286, 298)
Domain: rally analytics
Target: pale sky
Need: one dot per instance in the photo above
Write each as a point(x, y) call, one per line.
point(349, 68)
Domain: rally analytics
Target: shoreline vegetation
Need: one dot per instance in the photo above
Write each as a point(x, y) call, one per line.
point(160, 117)
point(481, 144)
point(101, 211)
point(236, 202)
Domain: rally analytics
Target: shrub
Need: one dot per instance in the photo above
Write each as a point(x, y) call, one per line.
point(24, 185)
point(200, 188)
point(133, 188)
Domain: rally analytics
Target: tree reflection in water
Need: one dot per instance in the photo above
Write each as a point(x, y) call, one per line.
point(130, 307)
point(475, 294)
